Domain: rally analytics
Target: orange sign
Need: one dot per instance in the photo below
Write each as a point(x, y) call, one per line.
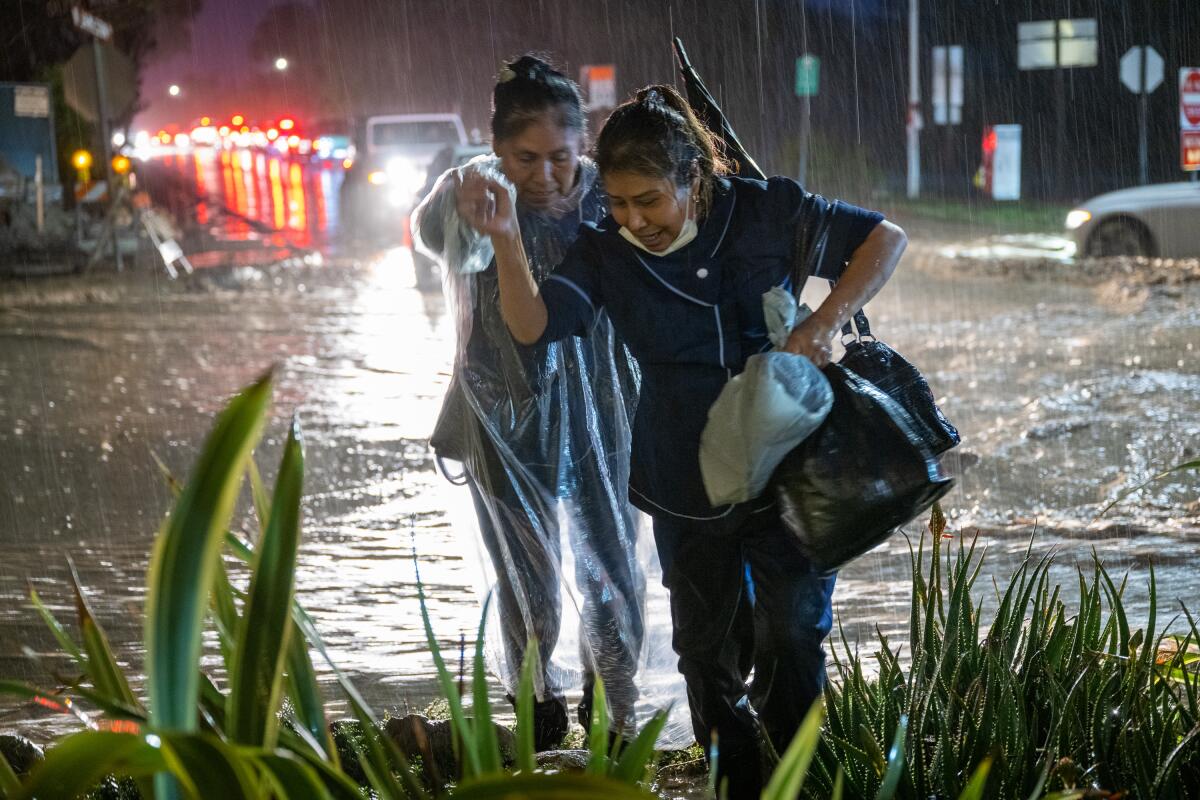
point(1189, 151)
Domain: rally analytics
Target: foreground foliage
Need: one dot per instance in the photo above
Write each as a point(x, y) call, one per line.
point(1042, 705)
point(1073, 704)
point(192, 739)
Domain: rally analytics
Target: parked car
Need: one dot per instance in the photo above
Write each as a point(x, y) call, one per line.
point(391, 166)
point(1158, 220)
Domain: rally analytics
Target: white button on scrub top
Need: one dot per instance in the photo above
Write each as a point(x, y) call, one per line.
point(702, 273)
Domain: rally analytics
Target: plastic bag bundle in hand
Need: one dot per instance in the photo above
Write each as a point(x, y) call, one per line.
point(760, 415)
point(857, 478)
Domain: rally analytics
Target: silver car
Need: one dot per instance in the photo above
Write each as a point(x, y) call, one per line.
point(1160, 220)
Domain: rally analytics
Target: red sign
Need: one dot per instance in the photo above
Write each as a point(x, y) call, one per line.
point(1189, 151)
point(1189, 98)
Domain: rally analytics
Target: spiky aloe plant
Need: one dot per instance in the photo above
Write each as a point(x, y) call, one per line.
point(1052, 700)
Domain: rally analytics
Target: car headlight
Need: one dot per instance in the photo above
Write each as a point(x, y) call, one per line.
point(405, 175)
point(377, 177)
point(1077, 217)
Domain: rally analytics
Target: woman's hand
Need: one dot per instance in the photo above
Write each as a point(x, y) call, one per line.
point(485, 204)
point(812, 338)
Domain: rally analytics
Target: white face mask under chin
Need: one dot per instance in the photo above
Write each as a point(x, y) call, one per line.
point(686, 234)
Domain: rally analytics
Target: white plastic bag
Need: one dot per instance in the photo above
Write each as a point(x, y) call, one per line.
point(763, 413)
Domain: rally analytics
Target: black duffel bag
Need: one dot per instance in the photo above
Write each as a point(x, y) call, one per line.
point(861, 475)
point(893, 375)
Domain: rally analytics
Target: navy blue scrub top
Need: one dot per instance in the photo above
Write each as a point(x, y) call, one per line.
point(693, 317)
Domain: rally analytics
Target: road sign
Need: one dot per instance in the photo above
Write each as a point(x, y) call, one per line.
point(1131, 69)
point(1189, 151)
point(1189, 119)
point(808, 75)
point(91, 23)
point(600, 83)
point(31, 101)
point(1189, 99)
point(79, 82)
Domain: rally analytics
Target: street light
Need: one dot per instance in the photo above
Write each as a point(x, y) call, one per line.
point(281, 63)
point(173, 90)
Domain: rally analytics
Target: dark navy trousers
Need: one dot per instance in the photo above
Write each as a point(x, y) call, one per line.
point(740, 598)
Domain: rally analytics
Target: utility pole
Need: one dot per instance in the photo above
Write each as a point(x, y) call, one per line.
point(914, 100)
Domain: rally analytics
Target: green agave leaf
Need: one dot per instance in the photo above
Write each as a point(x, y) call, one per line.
point(526, 761)
point(10, 784)
point(210, 767)
point(291, 777)
point(60, 633)
point(560, 786)
point(378, 759)
point(305, 692)
point(486, 744)
point(458, 719)
point(103, 670)
point(256, 679)
point(637, 758)
point(793, 766)
point(185, 557)
point(258, 490)
point(838, 784)
point(895, 767)
point(598, 734)
point(978, 782)
point(77, 763)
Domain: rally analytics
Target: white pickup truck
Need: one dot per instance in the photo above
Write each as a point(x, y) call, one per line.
point(395, 152)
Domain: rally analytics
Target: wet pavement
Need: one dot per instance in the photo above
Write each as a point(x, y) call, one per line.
point(1065, 393)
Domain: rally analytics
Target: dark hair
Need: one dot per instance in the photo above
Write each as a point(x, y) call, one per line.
point(656, 133)
point(527, 89)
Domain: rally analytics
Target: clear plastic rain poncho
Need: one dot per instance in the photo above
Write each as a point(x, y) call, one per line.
point(543, 434)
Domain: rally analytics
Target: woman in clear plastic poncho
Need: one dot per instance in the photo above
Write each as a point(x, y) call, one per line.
point(541, 430)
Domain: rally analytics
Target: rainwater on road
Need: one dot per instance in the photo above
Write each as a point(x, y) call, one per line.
point(1064, 393)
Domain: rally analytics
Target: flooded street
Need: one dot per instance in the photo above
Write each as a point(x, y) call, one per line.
point(1064, 393)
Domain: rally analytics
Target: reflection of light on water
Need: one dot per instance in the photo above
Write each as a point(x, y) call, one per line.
point(276, 193)
point(1018, 246)
point(297, 213)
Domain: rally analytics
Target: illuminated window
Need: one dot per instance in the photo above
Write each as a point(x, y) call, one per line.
point(1073, 40)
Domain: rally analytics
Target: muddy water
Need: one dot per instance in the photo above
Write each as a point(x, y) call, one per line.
point(1064, 395)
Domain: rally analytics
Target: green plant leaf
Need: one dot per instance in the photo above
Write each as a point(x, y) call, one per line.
point(598, 735)
point(305, 692)
point(292, 777)
point(789, 776)
point(978, 782)
point(210, 765)
point(485, 744)
point(895, 764)
point(185, 556)
point(458, 719)
point(60, 633)
point(526, 760)
point(638, 756)
point(76, 763)
point(10, 784)
point(256, 679)
point(559, 786)
point(103, 670)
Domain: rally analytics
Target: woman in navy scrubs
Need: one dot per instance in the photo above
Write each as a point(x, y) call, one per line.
point(680, 266)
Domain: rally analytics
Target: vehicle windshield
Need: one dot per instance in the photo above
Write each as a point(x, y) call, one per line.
point(393, 134)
